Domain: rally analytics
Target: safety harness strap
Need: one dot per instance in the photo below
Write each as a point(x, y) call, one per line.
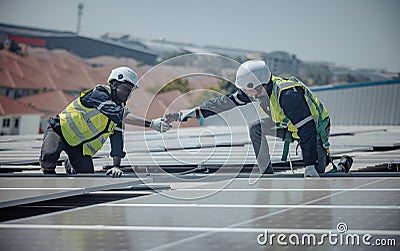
point(287, 141)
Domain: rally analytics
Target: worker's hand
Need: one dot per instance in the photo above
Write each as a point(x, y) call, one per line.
point(184, 115)
point(160, 125)
point(172, 117)
point(115, 172)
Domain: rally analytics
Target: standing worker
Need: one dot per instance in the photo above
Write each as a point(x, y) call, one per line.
point(85, 124)
point(295, 111)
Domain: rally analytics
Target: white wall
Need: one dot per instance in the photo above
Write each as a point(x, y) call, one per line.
point(357, 104)
point(364, 105)
point(29, 124)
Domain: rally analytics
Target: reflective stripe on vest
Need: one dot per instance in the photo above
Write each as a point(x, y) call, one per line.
point(80, 124)
point(318, 112)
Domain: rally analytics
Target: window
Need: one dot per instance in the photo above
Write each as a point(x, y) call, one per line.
point(16, 123)
point(6, 122)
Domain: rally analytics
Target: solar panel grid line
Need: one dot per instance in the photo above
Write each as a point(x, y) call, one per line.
point(34, 189)
point(39, 188)
point(290, 189)
point(313, 206)
point(219, 229)
point(190, 229)
point(382, 194)
point(20, 199)
point(106, 154)
point(192, 238)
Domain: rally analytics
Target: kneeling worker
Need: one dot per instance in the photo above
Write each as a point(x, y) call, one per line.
point(292, 108)
point(85, 125)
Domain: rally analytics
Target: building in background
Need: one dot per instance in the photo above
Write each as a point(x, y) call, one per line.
point(17, 118)
point(70, 41)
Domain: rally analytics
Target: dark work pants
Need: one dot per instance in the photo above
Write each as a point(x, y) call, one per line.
point(258, 130)
point(51, 150)
point(296, 109)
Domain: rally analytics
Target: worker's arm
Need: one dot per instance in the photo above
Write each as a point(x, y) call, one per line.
point(156, 124)
point(117, 153)
point(136, 121)
point(117, 161)
point(212, 107)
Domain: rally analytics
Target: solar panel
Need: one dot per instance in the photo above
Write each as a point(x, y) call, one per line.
point(206, 146)
point(225, 212)
point(237, 214)
point(22, 190)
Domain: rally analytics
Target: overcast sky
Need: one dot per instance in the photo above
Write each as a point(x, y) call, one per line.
point(354, 33)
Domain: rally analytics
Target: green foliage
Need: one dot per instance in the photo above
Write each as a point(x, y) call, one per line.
point(224, 87)
point(227, 87)
point(349, 78)
point(180, 84)
point(210, 93)
point(316, 74)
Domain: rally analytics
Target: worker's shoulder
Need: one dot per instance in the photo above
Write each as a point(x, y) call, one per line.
point(102, 88)
point(102, 91)
point(99, 93)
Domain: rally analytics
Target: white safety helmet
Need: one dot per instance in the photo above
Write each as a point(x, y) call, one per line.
point(124, 74)
point(252, 74)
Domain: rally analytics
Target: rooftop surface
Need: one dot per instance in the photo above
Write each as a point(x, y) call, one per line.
point(198, 188)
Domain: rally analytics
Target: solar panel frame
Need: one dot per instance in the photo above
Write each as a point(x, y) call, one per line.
point(23, 190)
point(235, 215)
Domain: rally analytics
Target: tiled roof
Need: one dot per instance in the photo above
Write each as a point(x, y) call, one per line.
point(47, 70)
point(50, 103)
point(9, 106)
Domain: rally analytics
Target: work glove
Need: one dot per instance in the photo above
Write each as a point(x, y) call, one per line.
point(184, 115)
point(115, 172)
point(172, 117)
point(160, 125)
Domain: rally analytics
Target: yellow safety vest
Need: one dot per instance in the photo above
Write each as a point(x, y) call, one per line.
point(80, 124)
point(318, 111)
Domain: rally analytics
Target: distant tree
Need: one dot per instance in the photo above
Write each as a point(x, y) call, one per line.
point(224, 87)
point(227, 87)
point(316, 74)
point(210, 93)
point(180, 84)
point(350, 78)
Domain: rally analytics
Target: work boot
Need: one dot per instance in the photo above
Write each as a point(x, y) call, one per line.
point(46, 170)
point(345, 163)
point(311, 172)
point(68, 167)
point(268, 169)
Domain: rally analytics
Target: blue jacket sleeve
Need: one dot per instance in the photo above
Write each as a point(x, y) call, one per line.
point(224, 103)
point(117, 144)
